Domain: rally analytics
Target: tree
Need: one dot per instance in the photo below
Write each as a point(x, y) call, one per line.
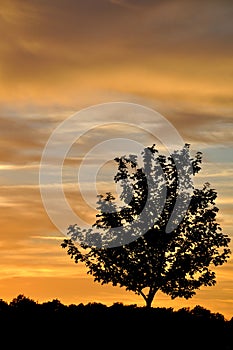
point(23, 304)
point(176, 240)
point(3, 306)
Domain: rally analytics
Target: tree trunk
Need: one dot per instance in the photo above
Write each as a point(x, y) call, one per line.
point(150, 297)
point(149, 302)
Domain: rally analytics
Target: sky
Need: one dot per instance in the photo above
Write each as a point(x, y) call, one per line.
point(61, 57)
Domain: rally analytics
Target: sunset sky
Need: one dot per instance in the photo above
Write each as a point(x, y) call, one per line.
point(58, 57)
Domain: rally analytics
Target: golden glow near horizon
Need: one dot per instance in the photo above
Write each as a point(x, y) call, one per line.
point(57, 58)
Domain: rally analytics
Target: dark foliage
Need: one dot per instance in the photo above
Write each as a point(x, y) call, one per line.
point(24, 322)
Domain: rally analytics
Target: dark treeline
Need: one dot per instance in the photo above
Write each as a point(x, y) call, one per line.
point(118, 325)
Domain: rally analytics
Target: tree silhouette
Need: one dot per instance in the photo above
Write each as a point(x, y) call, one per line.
point(168, 238)
point(22, 303)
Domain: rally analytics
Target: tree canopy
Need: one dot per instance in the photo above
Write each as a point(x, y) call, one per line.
point(165, 235)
